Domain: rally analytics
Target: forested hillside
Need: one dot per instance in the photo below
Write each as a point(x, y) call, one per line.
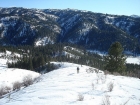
point(39, 27)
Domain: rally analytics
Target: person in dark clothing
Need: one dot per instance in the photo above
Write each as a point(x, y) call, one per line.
point(77, 70)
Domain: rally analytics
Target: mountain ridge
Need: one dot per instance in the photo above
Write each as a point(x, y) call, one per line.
point(21, 26)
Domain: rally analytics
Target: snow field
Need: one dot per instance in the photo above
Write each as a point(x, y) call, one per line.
point(64, 86)
point(133, 60)
point(10, 76)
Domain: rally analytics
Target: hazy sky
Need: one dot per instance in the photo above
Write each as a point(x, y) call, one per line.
point(119, 7)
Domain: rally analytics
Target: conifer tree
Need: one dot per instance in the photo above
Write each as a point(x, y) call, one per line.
point(115, 61)
point(42, 61)
point(30, 64)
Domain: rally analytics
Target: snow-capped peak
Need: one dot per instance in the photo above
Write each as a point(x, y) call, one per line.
point(135, 16)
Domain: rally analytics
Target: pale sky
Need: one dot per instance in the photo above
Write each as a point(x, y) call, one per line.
point(117, 7)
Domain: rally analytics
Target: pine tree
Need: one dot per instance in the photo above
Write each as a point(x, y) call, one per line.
point(42, 61)
point(115, 61)
point(30, 64)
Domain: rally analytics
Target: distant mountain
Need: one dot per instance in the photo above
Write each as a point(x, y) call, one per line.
point(21, 26)
point(135, 16)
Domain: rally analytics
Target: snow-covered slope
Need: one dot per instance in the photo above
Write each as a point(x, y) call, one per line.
point(133, 60)
point(10, 76)
point(64, 86)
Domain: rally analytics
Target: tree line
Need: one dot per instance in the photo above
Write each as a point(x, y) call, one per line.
point(39, 58)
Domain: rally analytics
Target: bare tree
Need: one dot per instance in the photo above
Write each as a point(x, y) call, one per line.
point(80, 97)
point(106, 100)
point(17, 85)
point(27, 80)
point(110, 86)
